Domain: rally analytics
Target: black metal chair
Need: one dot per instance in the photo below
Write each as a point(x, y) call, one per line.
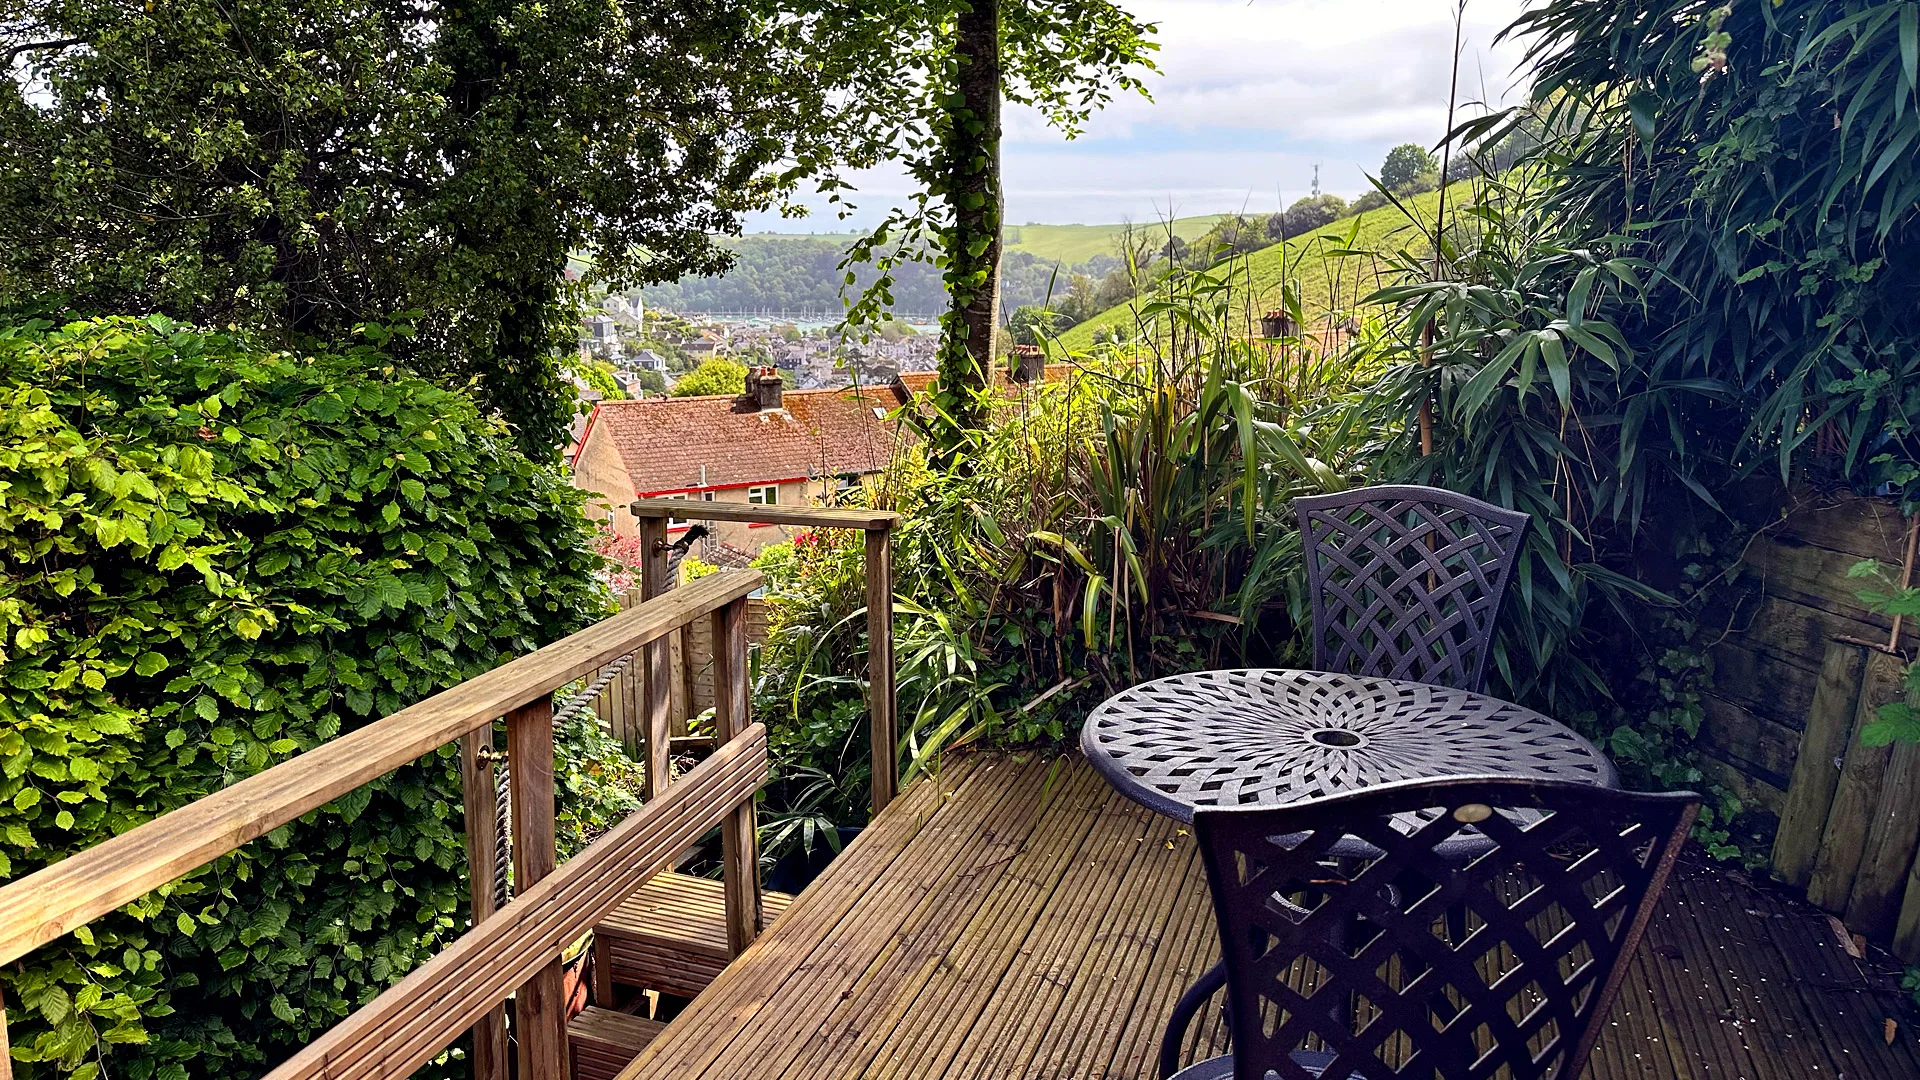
point(1407, 581)
point(1353, 977)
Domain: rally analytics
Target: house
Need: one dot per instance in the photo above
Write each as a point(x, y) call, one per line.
point(600, 335)
point(774, 446)
point(649, 360)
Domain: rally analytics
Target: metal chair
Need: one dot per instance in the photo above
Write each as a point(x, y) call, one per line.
point(1353, 977)
point(1407, 581)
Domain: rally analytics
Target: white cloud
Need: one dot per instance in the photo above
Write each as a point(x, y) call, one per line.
point(1339, 70)
point(1251, 95)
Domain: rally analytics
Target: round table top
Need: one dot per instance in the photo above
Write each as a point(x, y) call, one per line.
point(1272, 736)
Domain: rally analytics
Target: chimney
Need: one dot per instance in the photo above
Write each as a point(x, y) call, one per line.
point(1277, 324)
point(1029, 363)
point(762, 390)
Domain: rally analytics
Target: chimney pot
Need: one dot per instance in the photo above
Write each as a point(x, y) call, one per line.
point(764, 388)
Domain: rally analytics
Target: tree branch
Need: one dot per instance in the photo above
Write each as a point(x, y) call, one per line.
point(32, 46)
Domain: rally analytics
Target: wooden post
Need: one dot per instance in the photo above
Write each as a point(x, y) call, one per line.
point(1816, 768)
point(540, 1008)
point(880, 703)
point(1873, 907)
point(628, 690)
point(6, 1051)
point(681, 685)
point(740, 858)
point(656, 662)
point(1844, 841)
point(477, 800)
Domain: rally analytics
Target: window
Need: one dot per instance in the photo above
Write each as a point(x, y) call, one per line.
point(674, 522)
point(768, 495)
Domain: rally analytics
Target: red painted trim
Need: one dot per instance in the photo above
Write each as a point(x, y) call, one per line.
point(585, 434)
point(718, 487)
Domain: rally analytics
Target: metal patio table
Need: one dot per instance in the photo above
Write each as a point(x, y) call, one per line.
point(1272, 736)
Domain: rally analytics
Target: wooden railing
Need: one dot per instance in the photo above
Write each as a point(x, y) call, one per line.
point(515, 950)
point(875, 525)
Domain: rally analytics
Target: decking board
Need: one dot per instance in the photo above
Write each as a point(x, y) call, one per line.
point(1021, 920)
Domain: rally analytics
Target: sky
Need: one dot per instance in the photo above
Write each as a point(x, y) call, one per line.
point(1251, 95)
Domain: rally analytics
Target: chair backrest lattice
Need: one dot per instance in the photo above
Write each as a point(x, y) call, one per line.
point(1413, 963)
point(1407, 581)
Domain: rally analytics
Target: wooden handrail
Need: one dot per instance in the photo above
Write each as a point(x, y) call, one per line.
point(57, 899)
point(812, 517)
point(876, 526)
point(416, 1018)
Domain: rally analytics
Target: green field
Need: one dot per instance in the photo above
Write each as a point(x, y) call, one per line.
point(1326, 282)
point(1075, 244)
point(1068, 244)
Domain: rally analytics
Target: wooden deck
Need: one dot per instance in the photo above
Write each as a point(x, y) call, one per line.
point(1017, 918)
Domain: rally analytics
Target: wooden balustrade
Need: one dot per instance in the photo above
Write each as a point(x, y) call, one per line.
point(876, 525)
point(515, 950)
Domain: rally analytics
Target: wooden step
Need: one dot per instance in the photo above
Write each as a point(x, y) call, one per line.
point(603, 1041)
point(671, 935)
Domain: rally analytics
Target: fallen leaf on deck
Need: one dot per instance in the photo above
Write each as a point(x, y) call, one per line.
point(1845, 939)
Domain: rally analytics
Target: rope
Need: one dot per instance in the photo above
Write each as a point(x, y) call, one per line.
point(573, 705)
point(502, 842)
point(503, 778)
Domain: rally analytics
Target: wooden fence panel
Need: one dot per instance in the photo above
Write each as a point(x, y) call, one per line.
point(1798, 600)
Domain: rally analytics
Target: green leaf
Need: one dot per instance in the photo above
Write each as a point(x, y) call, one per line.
point(1559, 371)
point(149, 663)
point(1894, 722)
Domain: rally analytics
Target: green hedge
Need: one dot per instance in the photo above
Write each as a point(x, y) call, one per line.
point(214, 557)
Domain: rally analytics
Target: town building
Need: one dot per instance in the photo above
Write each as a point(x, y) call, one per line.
point(770, 447)
point(599, 336)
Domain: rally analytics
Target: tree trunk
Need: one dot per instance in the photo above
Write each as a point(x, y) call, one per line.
point(973, 248)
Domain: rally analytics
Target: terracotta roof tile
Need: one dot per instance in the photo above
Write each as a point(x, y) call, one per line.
point(922, 381)
point(728, 557)
point(674, 444)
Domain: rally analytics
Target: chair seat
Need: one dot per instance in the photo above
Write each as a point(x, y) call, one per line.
point(1221, 1068)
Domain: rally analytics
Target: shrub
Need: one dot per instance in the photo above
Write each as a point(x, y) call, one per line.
point(213, 557)
point(1306, 215)
point(714, 376)
point(1368, 200)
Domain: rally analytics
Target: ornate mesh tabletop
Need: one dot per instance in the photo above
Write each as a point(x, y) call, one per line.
point(1275, 736)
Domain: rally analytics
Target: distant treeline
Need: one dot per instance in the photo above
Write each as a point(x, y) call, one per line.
point(803, 274)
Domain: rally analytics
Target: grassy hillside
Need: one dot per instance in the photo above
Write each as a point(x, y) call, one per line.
point(1073, 244)
point(1325, 281)
point(1068, 244)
